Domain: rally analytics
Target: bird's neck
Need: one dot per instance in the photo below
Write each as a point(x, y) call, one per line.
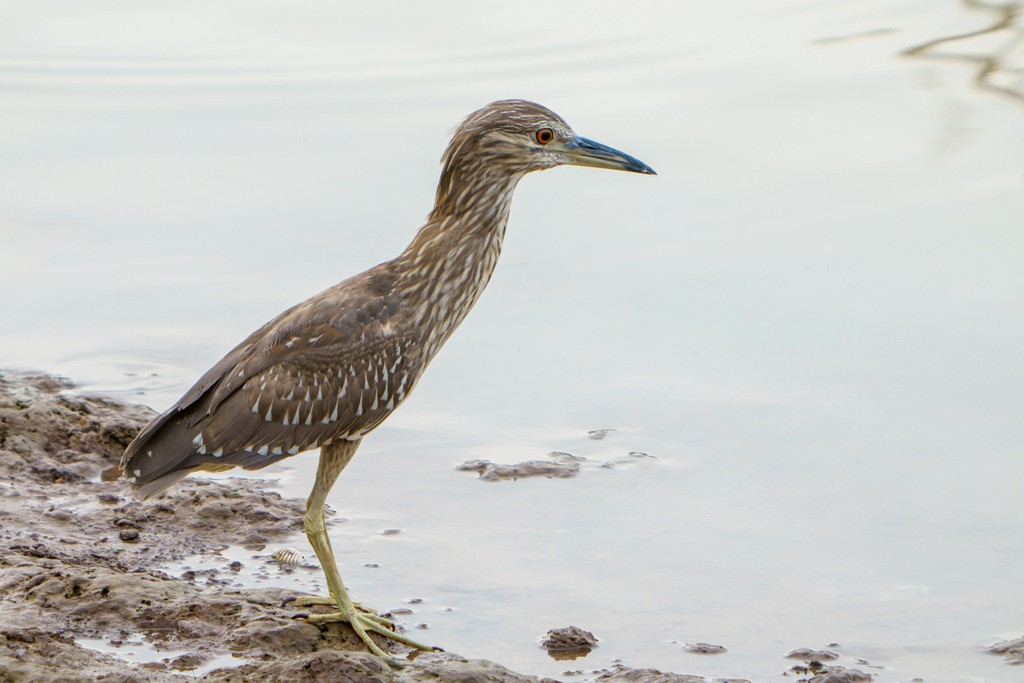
point(450, 261)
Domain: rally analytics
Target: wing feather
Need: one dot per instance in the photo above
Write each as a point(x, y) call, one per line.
point(330, 368)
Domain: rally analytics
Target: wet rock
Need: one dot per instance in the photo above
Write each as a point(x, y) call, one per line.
point(570, 638)
point(808, 655)
point(313, 667)
point(60, 515)
point(275, 637)
point(187, 661)
point(624, 674)
point(1013, 650)
point(449, 668)
point(838, 674)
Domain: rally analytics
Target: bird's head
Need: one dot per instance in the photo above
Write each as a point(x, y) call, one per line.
point(517, 136)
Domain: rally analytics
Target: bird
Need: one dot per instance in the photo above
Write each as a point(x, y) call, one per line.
point(329, 370)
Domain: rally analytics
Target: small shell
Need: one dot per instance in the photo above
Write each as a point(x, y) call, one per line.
point(288, 556)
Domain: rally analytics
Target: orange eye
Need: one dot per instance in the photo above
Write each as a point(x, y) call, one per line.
point(545, 135)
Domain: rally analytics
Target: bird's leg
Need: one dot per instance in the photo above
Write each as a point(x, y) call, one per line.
point(333, 459)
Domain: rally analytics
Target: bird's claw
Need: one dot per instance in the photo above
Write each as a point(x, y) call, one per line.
point(363, 621)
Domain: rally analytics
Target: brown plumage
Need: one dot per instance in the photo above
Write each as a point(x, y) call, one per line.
point(328, 371)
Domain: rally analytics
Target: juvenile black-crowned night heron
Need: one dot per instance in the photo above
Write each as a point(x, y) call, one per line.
point(326, 372)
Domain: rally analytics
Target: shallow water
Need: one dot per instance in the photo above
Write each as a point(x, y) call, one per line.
point(138, 650)
point(811, 317)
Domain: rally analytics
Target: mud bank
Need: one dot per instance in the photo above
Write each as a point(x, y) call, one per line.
point(80, 559)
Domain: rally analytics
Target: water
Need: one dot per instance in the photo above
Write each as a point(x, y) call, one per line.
point(137, 650)
point(811, 316)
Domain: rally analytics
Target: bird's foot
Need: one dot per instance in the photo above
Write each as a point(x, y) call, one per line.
point(363, 621)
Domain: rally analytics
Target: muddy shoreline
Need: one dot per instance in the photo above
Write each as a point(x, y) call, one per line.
point(80, 566)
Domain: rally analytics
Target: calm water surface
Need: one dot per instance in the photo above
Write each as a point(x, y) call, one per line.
point(812, 317)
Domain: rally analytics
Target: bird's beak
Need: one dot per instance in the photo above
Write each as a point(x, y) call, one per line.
point(583, 152)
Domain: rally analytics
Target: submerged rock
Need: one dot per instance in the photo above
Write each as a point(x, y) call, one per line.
point(560, 466)
point(704, 648)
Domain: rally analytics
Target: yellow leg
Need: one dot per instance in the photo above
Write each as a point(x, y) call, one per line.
point(333, 459)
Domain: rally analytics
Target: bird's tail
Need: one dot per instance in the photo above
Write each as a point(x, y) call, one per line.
point(171, 447)
point(163, 453)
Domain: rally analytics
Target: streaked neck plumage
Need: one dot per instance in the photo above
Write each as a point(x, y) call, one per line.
point(450, 261)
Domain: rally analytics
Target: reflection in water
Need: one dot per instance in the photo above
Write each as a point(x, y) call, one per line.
point(871, 33)
point(569, 655)
point(996, 72)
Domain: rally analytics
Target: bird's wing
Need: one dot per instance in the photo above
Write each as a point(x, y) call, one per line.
point(312, 385)
point(332, 367)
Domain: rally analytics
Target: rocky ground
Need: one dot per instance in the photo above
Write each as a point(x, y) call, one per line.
point(79, 558)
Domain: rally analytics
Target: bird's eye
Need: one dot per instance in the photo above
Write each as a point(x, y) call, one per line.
point(545, 135)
